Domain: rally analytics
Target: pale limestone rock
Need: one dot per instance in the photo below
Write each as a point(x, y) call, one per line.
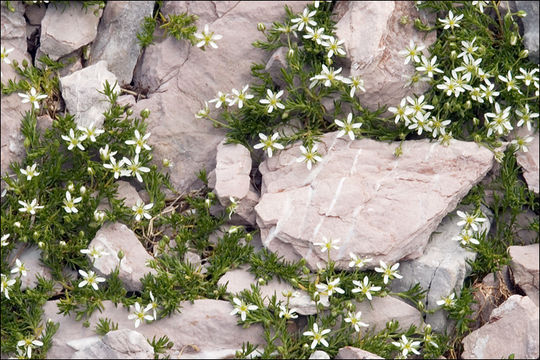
point(525, 269)
point(185, 77)
point(380, 310)
point(66, 28)
point(80, 92)
point(117, 41)
point(113, 237)
point(127, 192)
point(512, 329)
point(350, 352)
point(373, 48)
point(11, 138)
point(319, 354)
point(117, 344)
point(35, 13)
point(31, 258)
point(197, 320)
point(361, 194)
point(441, 269)
point(529, 161)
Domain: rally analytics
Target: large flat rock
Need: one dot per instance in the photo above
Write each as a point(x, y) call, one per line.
point(378, 205)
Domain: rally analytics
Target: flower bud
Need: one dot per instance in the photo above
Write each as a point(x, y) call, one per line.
point(35, 235)
point(71, 187)
point(25, 63)
point(477, 138)
point(524, 53)
point(167, 163)
point(26, 143)
point(513, 39)
point(290, 53)
point(62, 243)
point(129, 112)
point(404, 20)
point(120, 254)
point(90, 171)
point(82, 190)
point(305, 270)
point(261, 27)
point(145, 113)
point(468, 104)
point(41, 244)
point(521, 13)
point(17, 224)
point(398, 152)
point(453, 54)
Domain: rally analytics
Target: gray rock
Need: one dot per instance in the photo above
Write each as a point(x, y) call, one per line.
point(530, 27)
point(380, 310)
point(31, 258)
point(66, 28)
point(113, 237)
point(11, 138)
point(197, 320)
point(127, 192)
point(278, 61)
point(530, 160)
point(35, 13)
point(525, 269)
point(80, 92)
point(319, 354)
point(350, 352)
point(117, 41)
point(118, 344)
point(441, 269)
point(512, 329)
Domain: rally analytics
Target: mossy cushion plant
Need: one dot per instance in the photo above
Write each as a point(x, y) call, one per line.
point(485, 88)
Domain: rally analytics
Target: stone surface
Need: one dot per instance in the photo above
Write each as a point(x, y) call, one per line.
point(31, 258)
point(11, 138)
point(513, 329)
point(116, 41)
point(529, 161)
point(380, 310)
point(181, 77)
point(80, 92)
point(127, 192)
point(442, 268)
point(188, 330)
point(278, 61)
point(65, 29)
point(319, 354)
point(113, 237)
point(525, 269)
point(35, 13)
point(13, 36)
point(118, 344)
point(373, 48)
point(350, 352)
point(360, 193)
point(531, 28)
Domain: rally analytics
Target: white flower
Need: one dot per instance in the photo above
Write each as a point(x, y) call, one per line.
point(90, 132)
point(521, 143)
point(29, 343)
point(32, 97)
point(466, 237)
point(328, 244)
point(347, 127)
point(204, 112)
point(317, 336)
point(418, 105)
point(272, 99)
point(406, 345)
point(240, 97)
point(451, 21)
point(468, 48)
point(140, 315)
point(4, 55)
point(489, 92)
point(365, 287)
point(354, 319)
point(74, 141)
point(356, 83)
point(527, 76)
point(220, 99)
point(30, 172)
point(328, 289)
point(94, 252)
point(334, 46)
point(207, 38)
point(231, 209)
point(429, 66)
point(105, 153)
point(99, 215)
point(452, 85)
point(19, 268)
point(510, 82)
point(484, 76)
point(90, 279)
point(525, 117)
point(153, 305)
point(70, 204)
point(477, 95)
point(287, 313)
point(428, 338)
point(468, 220)
point(135, 168)
point(269, 144)
point(402, 111)
point(6, 284)
point(358, 262)
point(438, 126)
point(469, 67)
point(316, 36)
point(327, 75)
point(116, 167)
point(140, 210)
point(412, 52)
point(310, 156)
point(139, 142)
point(421, 122)
point(30, 207)
point(480, 4)
point(305, 19)
point(242, 308)
point(389, 272)
point(4, 240)
point(501, 121)
point(447, 301)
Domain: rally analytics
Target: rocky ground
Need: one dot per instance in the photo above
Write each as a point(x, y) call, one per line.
point(407, 206)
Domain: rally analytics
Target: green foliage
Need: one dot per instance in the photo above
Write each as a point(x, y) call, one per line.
point(105, 325)
point(160, 345)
